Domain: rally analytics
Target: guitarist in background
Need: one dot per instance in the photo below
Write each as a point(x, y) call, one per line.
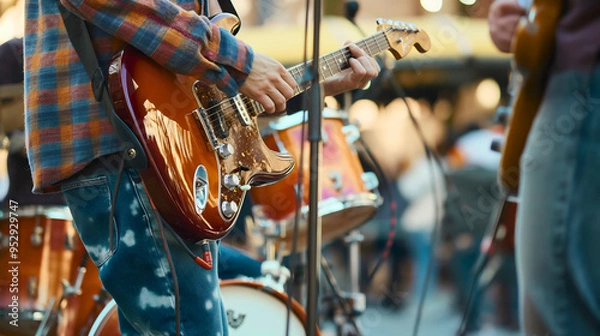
point(73, 149)
point(558, 219)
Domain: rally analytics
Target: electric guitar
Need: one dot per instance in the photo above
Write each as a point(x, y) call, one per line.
point(532, 50)
point(204, 148)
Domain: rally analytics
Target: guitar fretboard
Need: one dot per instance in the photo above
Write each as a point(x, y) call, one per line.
point(337, 61)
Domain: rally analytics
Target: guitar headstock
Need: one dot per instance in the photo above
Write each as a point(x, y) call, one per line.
point(403, 36)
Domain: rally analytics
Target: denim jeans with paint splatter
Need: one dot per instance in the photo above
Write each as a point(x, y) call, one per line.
point(134, 268)
point(558, 219)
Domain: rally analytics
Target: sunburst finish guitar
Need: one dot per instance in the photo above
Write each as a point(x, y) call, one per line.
point(532, 52)
point(204, 149)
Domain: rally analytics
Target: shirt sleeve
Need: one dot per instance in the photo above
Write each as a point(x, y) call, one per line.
point(180, 40)
point(233, 263)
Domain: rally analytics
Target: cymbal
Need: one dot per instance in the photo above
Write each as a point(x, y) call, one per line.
point(12, 107)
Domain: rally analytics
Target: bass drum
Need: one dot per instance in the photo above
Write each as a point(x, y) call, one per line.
point(252, 309)
point(107, 322)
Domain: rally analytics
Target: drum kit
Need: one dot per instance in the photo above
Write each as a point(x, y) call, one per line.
point(57, 289)
point(60, 293)
point(349, 197)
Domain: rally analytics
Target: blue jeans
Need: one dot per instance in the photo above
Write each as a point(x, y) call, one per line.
point(134, 269)
point(558, 219)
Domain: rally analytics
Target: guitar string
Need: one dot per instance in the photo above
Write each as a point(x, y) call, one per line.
point(227, 108)
point(225, 112)
point(221, 110)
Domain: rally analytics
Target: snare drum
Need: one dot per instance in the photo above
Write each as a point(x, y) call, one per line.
point(45, 253)
point(348, 194)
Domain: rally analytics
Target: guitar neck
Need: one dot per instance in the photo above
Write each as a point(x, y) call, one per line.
point(337, 61)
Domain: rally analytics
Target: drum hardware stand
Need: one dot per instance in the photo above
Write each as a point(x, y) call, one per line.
point(274, 275)
point(70, 290)
point(272, 230)
point(353, 239)
point(102, 301)
point(485, 268)
point(32, 288)
point(48, 321)
point(347, 306)
point(53, 310)
point(38, 231)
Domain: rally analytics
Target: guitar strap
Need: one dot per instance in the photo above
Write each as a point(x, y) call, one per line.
point(79, 34)
point(227, 7)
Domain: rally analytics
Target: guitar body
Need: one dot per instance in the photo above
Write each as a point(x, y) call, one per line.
point(203, 148)
point(158, 107)
point(533, 50)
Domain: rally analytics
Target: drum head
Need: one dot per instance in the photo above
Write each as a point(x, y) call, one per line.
point(255, 310)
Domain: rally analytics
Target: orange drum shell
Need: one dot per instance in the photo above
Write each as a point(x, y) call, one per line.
point(280, 198)
point(49, 252)
point(278, 201)
point(45, 262)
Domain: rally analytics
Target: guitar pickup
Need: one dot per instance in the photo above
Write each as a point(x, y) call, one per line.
point(202, 118)
point(241, 110)
point(217, 120)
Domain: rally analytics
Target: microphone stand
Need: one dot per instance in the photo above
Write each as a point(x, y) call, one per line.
point(316, 146)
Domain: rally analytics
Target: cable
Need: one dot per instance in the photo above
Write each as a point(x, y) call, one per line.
point(172, 269)
point(343, 303)
point(431, 158)
point(170, 263)
point(114, 201)
point(478, 269)
point(164, 241)
point(393, 209)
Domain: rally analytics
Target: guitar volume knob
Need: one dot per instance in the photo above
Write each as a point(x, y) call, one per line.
point(229, 208)
point(225, 150)
point(230, 181)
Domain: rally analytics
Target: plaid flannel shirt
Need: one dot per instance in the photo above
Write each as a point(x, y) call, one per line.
point(67, 128)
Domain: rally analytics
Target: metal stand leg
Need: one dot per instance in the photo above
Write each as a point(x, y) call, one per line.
point(347, 306)
point(343, 305)
point(353, 240)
